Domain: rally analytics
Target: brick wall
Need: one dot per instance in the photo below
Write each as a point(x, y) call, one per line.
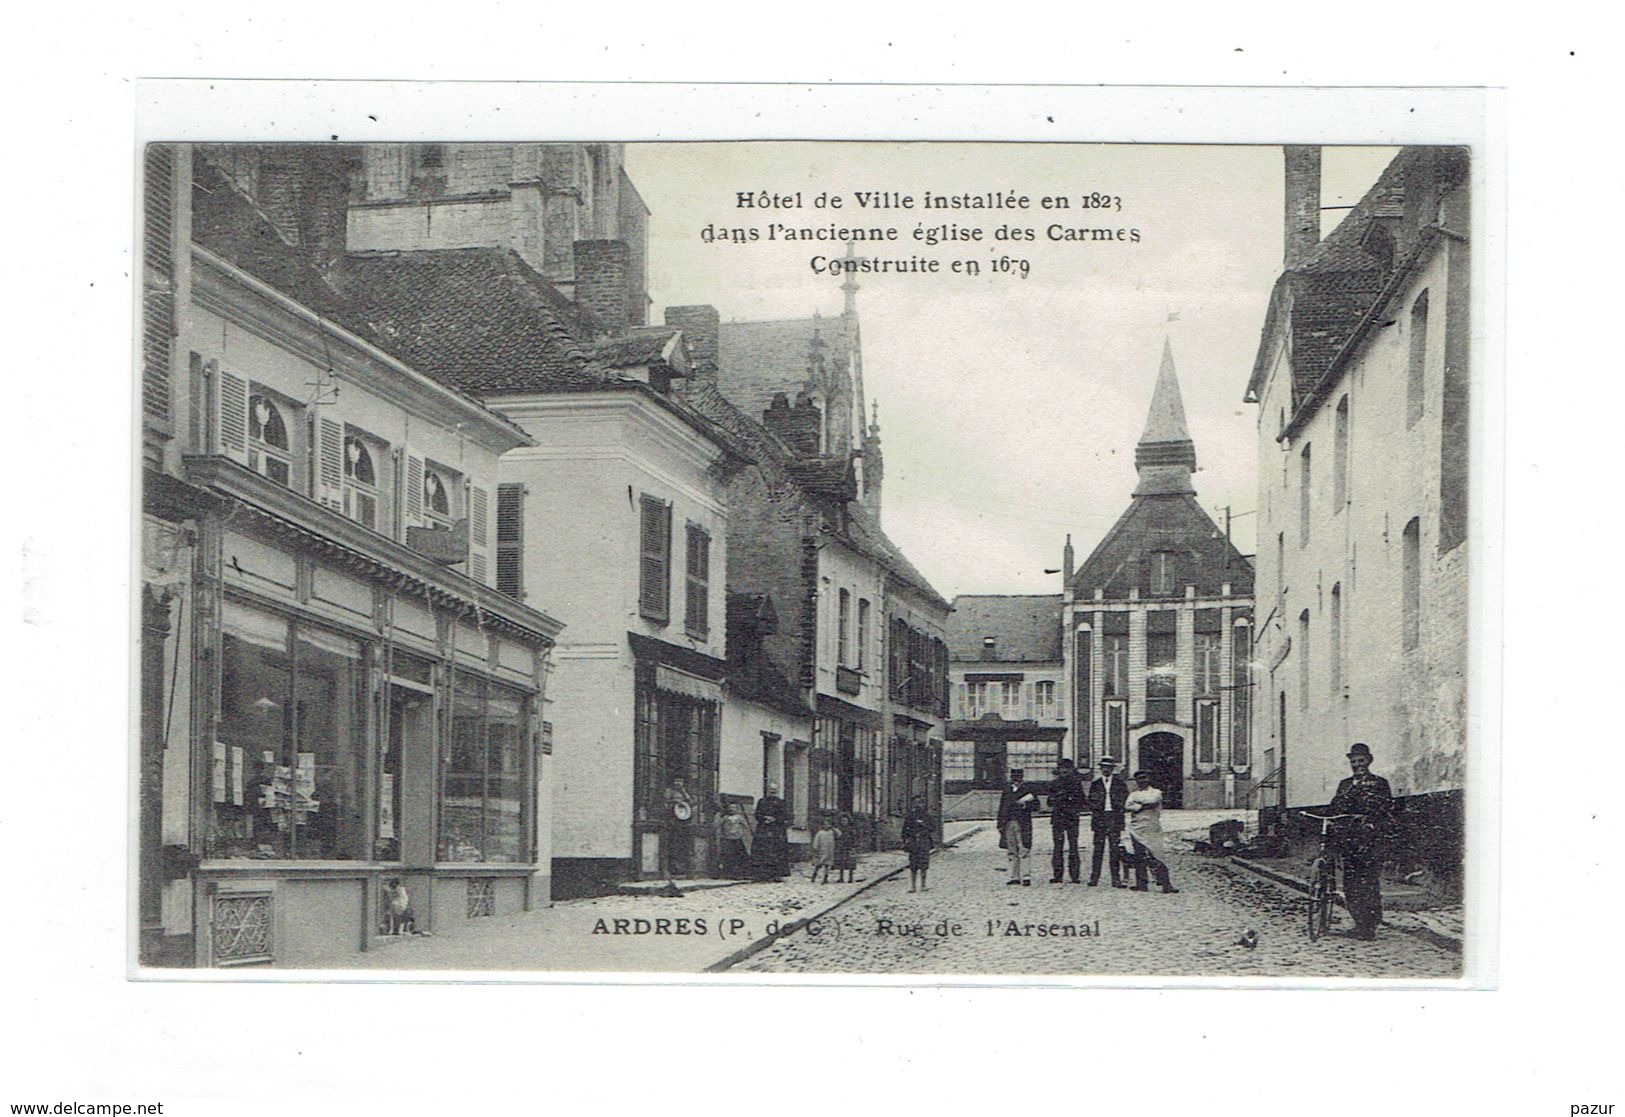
point(601, 280)
point(801, 426)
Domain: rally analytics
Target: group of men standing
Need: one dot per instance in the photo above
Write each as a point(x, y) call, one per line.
point(1119, 817)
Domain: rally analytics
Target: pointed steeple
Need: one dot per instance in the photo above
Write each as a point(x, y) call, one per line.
point(1165, 456)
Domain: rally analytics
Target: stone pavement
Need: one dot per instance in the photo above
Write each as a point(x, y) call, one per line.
point(1114, 932)
point(630, 933)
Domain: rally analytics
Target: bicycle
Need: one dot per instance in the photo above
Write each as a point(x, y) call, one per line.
point(1323, 890)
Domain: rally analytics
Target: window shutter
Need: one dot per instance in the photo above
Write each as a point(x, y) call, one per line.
point(330, 472)
point(1030, 699)
point(158, 292)
point(654, 590)
point(479, 539)
point(697, 614)
point(414, 491)
point(511, 540)
point(231, 395)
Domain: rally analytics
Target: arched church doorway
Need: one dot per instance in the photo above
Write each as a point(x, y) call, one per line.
point(1163, 756)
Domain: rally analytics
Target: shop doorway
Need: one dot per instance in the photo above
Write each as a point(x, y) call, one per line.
point(1163, 756)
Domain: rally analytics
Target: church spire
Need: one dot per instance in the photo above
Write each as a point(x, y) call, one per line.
point(1165, 456)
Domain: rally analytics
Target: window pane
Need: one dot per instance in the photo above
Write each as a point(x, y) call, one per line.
point(251, 792)
point(505, 780)
point(462, 813)
point(331, 723)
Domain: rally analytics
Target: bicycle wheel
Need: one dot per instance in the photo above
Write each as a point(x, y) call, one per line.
point(1328, 900)
point(1318, 888)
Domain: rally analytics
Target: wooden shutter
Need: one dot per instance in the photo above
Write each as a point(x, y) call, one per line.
point(330, 464)
point(414, 492)
point(697, 618)
point(158, 278)
point(511, 540)
point(231, 419)
point(654, 555)
point(479, 539)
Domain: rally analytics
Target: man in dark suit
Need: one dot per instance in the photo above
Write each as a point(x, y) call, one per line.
point(1067, 800)
point(1369, 796)
point(1016, 808)
point(1106, 798)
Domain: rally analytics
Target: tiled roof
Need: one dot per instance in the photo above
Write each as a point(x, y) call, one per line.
point(1026, 628)
point(1325, 294)
point(825, 475)
point(864, 533)
point(480, 319)
point(1173, 523)
point(640, 346)
point(759, 359)
point(228, 224)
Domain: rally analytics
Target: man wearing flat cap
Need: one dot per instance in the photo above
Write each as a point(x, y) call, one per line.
point(1368, 796)
point(1107, 796)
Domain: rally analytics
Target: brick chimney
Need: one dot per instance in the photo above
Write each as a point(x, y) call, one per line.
point(800, 426)
point(702, 327)
point(601, 281)
point(1302, 202)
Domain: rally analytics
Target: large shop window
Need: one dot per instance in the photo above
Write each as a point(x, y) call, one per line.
point(484, 808)
point(286, 769)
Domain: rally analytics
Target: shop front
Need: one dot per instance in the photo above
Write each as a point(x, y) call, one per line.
point(360, 731)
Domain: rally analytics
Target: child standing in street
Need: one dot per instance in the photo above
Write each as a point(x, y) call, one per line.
point(917, 839)
point(823, 849)
point(846, 850)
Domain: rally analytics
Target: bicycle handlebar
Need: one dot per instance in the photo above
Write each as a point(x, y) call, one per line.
point(1329, 817)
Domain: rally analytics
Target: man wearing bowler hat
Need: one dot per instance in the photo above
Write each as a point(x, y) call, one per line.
point(1107, 796)
point(1369, 797)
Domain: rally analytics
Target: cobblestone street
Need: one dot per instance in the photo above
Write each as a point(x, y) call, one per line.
point(1193, 933)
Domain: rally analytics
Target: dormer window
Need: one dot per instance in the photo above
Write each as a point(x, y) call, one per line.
point(360, 482)
point(269, 451)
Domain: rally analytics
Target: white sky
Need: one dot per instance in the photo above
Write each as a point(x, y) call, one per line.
point(1009, 408)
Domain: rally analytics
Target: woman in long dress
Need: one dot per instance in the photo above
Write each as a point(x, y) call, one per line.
point(736, 839)
point(1144, 807)
point(771, 853)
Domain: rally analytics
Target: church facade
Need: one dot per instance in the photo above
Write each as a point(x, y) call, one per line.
point(1157, 631)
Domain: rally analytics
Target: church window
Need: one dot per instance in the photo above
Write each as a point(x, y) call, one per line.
point(1164, 572)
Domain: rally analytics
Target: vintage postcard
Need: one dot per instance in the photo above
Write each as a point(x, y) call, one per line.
point(851, 557)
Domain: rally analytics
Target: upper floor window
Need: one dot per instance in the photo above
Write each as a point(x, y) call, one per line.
point(1306, 495)
point(1416, 373)
point(1340, 457)
point(654, 559)
point(1010, 700)
point(270, 450)
point(1164, 572)
point(863, 631)
point(697, 615)
point(1044, 699)
point(437, 501)
point(1411, 583)
point(843, 643)
point(1207, 663)
point(360, 482)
